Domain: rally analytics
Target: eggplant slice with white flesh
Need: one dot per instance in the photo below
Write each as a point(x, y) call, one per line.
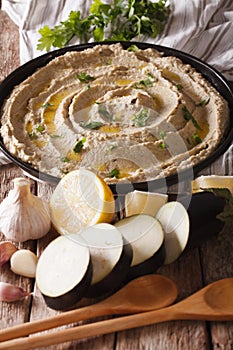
point(174, 219)
point(111, 257)
point(64, 271)
point(146, 236)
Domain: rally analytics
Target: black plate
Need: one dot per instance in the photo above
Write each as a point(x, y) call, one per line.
point(208, 72)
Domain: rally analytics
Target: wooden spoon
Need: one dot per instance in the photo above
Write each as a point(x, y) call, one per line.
point(142, 294)
point(213, 302)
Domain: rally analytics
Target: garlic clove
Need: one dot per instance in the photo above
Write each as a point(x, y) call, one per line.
point(24, 216)
point(24, 262)
point(7, 249)
point(10, 292)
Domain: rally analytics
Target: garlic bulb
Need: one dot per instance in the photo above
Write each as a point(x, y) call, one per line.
point(23, 216)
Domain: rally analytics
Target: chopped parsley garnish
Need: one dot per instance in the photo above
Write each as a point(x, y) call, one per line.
point(112, 147)
point(145, 83)
point(141, 119)
point(47, 105)
point(162, 144)
point(79, 145)
point(40, 128)
point(203, 102)
point(114, 173)
point(65, 159)
point(197, 138)
point(179, 87)
point(109, 62)
point(91, 125)
point(188, 116)
point(103, 111)
point(85, 78)
point(133, 48)
point(32, 135)
point(122, 20)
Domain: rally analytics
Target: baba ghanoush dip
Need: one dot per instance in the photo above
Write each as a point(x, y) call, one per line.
point(128, 115)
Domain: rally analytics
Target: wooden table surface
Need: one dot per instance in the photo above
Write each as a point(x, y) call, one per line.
point(211, 261)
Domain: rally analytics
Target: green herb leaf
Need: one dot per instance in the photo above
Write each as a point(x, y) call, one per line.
point(203, 102)
point(40, 128)
point(47, 105)
point(47, 38)
point(141, 119)
point(188, 116)
point(85, 78)
point(91, 125)
point(103, 111)
point(112, 147)
point(61, 34)
point(162, 144)
point(65, 160)
point(133, 48)
point(114, 173)
point(179, 87)
point(197, 138)
point(98, 34)
point(32, 135)
point(122, 20)
point(145, 83)
point(79, 145)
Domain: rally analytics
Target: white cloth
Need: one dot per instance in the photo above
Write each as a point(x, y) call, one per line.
point(203, 28)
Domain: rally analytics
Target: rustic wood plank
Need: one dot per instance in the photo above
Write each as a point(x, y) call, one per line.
point(9, 45)
point(172, 335)
point(17, 312)
point(217, 264)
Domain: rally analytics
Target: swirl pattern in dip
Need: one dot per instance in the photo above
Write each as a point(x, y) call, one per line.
point(126, 115)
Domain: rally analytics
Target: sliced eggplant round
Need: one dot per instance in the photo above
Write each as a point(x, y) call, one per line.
point(64, 271)
point(175, 222)
point(111, 257)
point(146, 236)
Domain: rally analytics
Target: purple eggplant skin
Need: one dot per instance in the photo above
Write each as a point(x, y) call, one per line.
point(67, 301)
point(148, 266)
point(203, 210)
point(116, 278)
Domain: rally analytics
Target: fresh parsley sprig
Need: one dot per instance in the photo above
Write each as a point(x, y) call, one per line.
point(123, 20)
point(188, 116)
point(163, 144)
point(83, 77)
point(79, 145)
point(114, 173)
point(141, 118)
